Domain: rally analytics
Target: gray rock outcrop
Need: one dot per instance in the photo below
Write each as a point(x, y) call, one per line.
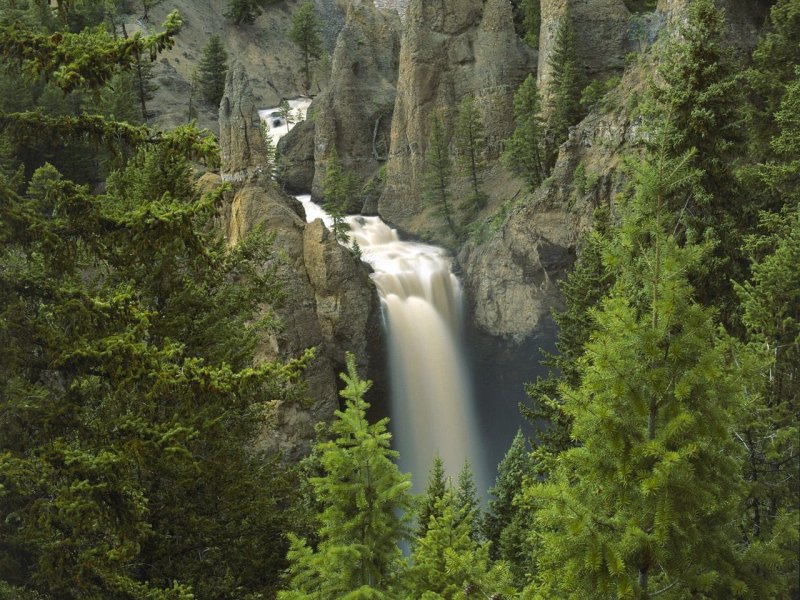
point(330, 303)
point(603, 36)
point(296, 158)
point(448, 51)
point(354, 113)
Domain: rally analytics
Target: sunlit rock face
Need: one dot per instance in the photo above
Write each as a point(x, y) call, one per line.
point(329, 304)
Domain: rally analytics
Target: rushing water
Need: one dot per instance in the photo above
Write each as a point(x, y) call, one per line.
point(432, 406)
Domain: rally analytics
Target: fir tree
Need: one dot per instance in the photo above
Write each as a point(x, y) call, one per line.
point(644, 505)
point(531, 21)
point(564, 88)
point(436, 177)
point(524, 149)
point(362, 494)
point(467, 503)
point(501, 512)
point(433, 493)
point(447, 562)
point(340, 189)
point(469, 141)
point(147, 5)
point(244, 11)
point(305, 33)
point(143, 78)
point(212, 71)
point(702, 98)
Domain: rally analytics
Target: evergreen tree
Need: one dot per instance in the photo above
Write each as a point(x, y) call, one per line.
point(524, 149)
point(147, 5)
point(531, 21)
point(466, 500)
point(501, 512)
point(340, 189)
point(244, 11)
point(362, 494)
point(436, 177)
point(469, 141)
point(305, 33)
point(212, 71)
point(644, 505)
point(583, 289)
point(143, 79)
point(130, 393)
point(447, 562)
point(433, 493)
point(564, 88)
point(702, 98)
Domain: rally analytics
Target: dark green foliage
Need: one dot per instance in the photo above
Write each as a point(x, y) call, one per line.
point(361, 493)
point(130, 396)
point(469, 143)
point(646, 500)
point(212, 70)
point(340, 190)
point(305, 33)
point(525, 148)
point(433, 494)
point(87, 60)
point(702, 99)
point(531, 21)
point(447, 562)
point(145, 87)
point(564, 88)
point(245, 11)
point(585, 286)
point(505, 524)
point(640, 5)
point(593, 93)
point(467, 503)
point(436, 177)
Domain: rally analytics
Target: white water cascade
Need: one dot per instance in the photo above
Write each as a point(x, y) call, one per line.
point(432, 410)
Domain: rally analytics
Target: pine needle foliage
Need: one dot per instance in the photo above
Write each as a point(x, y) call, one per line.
point(212, 70)
point(362, 494)
point(305, 34)
point(564, 88)
point(437, 174)
point(469, 142)
point(644, 505)
point(433, 493)
point(525, 149)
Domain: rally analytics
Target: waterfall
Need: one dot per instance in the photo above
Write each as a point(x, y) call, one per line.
point(432, 411)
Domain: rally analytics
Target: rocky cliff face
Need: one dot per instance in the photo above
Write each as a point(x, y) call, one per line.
point(511, 276)
point(330, 302)
point(603, 36)
point(264, 48)
point(448, 50)
point(354, 113)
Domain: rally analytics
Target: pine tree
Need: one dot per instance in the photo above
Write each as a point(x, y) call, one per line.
point(524, 149)
point(698, 91)
point(469, 141)
point(515, 466)
point(340, 189)
point(531, 21)
point(466, 499)
point(436, 177)
point(362, 494)
point(129, 389)
point(564, 88)
point(447, 562)
point(433, 493)
point(305, 33)
point(244, 11)
point(644, 505)
point(143, 78)
point(212, 70)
